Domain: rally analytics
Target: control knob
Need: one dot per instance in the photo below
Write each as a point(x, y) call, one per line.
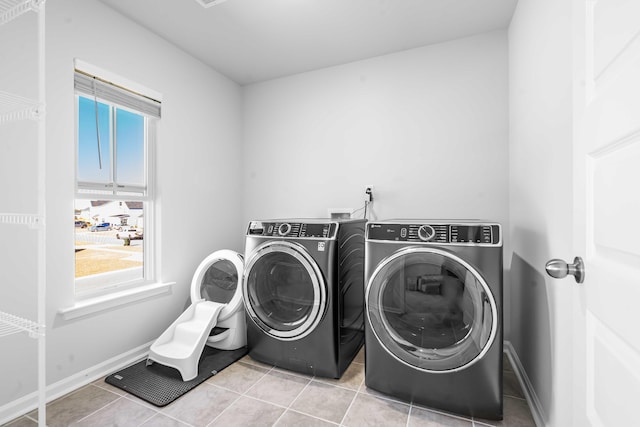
point(284, 229)
point(426, 233)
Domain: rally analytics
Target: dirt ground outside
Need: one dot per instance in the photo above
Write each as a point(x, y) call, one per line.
point(102, 252)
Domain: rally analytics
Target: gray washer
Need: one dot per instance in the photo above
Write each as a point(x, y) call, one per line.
point(433, 302)
point(303, 290)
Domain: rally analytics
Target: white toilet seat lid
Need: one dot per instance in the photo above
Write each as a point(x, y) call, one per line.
point(226, 256)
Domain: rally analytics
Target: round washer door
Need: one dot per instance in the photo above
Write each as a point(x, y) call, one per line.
point(284, 291)
point(431, 310)
point(218, 278)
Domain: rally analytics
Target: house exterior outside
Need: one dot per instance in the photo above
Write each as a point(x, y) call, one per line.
point(118, 214)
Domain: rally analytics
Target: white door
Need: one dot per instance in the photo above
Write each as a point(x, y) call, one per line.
point(607, 212)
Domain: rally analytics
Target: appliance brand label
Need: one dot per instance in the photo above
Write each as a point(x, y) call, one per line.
point(321, 246)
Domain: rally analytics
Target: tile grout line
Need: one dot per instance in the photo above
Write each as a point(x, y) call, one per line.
point(224, 410)
point(309, 380)
point(444, 413)
point(355, 396)
point(314, 416)
point(157, 409)
point(149, 418)
point(409, 415)
point(100, 409)
point(293, 400)
point(175, 419)
point(240, 395)
point(514, 397)
point(310, 416)
point(244, 394)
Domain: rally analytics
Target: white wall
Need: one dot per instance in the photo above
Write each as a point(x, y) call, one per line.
point(198, 169)
point(540, 199)
point(427, 127)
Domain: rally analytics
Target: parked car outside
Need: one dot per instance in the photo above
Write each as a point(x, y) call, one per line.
point(105, 226)
point(81, 224)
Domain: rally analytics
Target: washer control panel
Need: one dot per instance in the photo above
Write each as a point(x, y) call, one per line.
point(440, 233)
point(323, 230)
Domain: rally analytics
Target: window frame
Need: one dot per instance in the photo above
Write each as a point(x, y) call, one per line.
point(117, 281)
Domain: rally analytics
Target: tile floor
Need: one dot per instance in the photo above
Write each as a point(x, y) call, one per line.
point(249, 393)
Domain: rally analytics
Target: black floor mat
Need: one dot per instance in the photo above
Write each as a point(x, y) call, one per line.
point(161, 385)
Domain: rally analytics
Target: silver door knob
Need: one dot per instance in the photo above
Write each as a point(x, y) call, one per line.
point(558, 269)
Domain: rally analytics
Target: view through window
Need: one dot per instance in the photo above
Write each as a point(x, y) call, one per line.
point(111, 195)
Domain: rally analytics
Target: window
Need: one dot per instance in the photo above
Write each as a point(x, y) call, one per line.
point(113, 212)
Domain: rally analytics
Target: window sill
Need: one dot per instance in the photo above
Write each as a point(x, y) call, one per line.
point(105, 302)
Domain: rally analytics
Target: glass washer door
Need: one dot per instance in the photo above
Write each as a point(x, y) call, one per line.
point(284, 290)
point(431, 310)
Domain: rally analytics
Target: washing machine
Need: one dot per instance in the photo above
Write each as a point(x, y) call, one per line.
point(303, 290)
point(433, 329)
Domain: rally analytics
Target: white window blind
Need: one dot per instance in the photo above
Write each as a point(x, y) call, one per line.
point(100, 88)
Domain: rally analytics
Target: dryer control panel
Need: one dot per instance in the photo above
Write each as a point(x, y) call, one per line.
point(320, 230)
point(438, 233)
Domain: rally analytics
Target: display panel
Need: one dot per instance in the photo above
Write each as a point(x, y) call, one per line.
point(315, 230)
point(466, 234)
point(293, 229)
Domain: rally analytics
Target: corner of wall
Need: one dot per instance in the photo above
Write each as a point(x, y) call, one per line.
point(537, 411)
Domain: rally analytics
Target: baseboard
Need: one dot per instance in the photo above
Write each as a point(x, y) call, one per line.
point(529, 393)
point(28, 403)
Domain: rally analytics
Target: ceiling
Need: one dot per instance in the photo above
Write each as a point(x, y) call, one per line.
point(255, 40)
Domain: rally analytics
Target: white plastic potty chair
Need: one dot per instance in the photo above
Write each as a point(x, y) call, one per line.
point(215, 317)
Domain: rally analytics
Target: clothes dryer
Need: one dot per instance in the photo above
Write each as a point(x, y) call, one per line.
point(303, 290)
point(433, 329)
